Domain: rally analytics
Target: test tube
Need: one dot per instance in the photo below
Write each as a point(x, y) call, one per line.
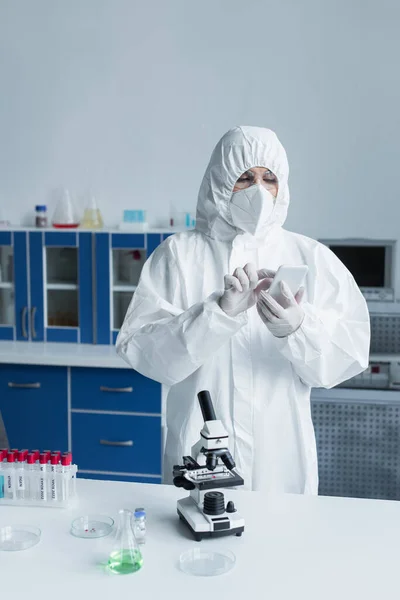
point(31, 480)
point(43, 460)
point(20, 468)
point(10, 476)
point(2, 455)
point(54, 462)
point(66, 461)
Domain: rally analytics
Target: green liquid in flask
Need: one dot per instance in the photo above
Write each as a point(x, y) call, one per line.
point(124, 562)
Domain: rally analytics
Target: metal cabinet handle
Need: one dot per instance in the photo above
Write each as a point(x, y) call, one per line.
point(121, 444)
point(33, 315)
point(127, 390)
point(23, 322)
point(35, 386)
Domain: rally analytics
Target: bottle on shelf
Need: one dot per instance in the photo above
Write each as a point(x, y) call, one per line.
point(41, 216)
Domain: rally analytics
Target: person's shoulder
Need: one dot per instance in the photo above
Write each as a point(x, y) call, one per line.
point(316, 252)
point(301, 240)
point(175, 244)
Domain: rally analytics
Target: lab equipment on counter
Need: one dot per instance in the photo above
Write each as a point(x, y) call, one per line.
point(64, 216)
point(134, 220)
point(125, 556)
point(206, 563)
point(182, 220)
point(139, 525)
point(92, 217)
point(205, 511)
point(92, 526)
point(37, 479)
point(41, 216)
point(18, 537)
point(372, 264)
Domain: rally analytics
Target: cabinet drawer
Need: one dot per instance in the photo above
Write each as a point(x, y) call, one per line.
point(117, 443)
point(114, 389)
point(34, 406)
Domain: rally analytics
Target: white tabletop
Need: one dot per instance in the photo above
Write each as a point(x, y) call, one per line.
point(294, 547)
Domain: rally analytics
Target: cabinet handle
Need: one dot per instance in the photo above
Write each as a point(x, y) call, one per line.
point(33, 315)
point(34, 386)
point(23, 322)
point(121, 444)
point(127, 390)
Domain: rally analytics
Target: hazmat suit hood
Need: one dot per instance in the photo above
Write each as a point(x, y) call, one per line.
point(240, 149)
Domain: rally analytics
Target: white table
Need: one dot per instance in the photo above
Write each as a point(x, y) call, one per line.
point(294, 547)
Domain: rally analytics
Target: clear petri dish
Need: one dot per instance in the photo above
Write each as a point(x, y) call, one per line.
point(206, 563)
point(18, 537)
point(92, 526)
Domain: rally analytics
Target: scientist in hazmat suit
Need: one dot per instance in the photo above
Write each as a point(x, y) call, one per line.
point(259, 359)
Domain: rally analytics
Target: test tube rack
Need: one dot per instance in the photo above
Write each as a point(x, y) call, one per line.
point(35, 488)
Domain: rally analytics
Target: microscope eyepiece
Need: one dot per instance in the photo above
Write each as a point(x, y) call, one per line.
point(206, 406)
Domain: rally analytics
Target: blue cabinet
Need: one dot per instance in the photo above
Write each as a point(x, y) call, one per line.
point(109, 418)
point(34, 406)
point(116, 424)
point(14, 303)
point(46, 286)
point(119, 260)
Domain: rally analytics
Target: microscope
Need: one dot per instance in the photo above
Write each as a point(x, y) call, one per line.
point(210, 468)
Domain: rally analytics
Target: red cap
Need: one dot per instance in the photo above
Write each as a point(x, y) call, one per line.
point(31, 458)
point(44, 458)
point(55, 459)
point(3, 454)
point(14, 450)
point(36, 453)
point(66, 459)
point(11, 457)
point(22, 454)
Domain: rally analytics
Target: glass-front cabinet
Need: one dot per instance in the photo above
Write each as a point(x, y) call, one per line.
point(7, 287)
point(46, 288)
point(119, 261)
point(69, 286)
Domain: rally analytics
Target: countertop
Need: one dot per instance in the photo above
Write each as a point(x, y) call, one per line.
point(86, 355)
point(67, 355)
point(293, 547)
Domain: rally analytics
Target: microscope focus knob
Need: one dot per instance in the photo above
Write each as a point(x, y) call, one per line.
point(230, 507)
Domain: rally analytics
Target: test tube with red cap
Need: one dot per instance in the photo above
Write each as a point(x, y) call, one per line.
point(9, 491)
point(31, 480)
point(3, 454)
point(43, 461)
point(66, 462)
point(54, 463)
point(20, 483)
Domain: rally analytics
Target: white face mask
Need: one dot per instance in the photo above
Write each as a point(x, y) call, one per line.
point(251, 208)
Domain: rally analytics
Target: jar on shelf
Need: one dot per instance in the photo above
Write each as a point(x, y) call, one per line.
point(41, 215)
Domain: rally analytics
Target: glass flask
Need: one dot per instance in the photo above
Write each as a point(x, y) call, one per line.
point(92, 218)
point(64, 216)
point(125, 556)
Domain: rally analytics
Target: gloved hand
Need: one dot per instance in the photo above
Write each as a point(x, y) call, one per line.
point(242, 289)
point(281, 320)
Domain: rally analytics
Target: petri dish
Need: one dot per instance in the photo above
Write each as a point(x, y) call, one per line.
point(92, 526)
point(206, 563)
point(18, 537)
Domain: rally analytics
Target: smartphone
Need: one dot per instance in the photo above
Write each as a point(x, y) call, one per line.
point(294, 277)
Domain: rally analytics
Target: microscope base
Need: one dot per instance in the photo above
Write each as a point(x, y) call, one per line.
point(206, 526)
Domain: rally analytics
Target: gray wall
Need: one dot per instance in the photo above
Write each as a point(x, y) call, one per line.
point(129, 98)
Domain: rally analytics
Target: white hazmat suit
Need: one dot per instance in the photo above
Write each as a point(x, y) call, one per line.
point(176, 333)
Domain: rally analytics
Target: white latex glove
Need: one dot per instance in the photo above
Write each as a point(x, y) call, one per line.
point(281, 320)
point(242, 289)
